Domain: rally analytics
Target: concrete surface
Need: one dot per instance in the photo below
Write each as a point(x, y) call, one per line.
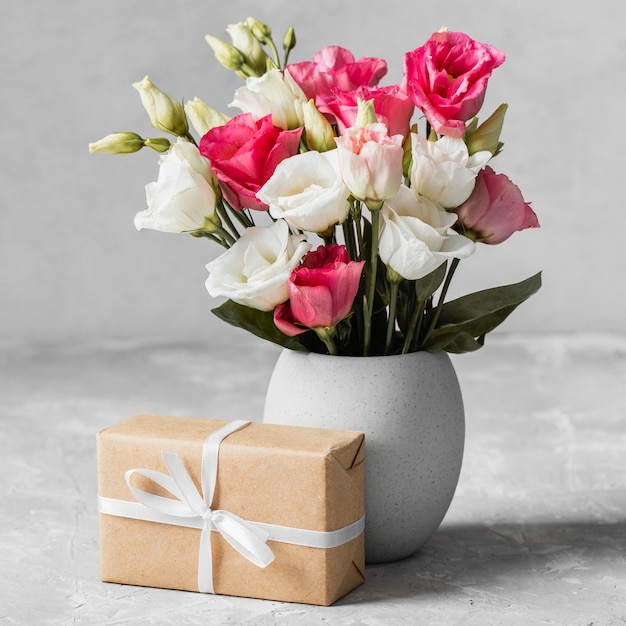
point(535, 535)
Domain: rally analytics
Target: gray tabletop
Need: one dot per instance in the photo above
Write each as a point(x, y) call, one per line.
point(536, 533)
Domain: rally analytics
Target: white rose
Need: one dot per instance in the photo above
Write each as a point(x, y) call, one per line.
point(443, 171)
point(307, 192)
point(415, 235)
point(275, 93)
point(255, 271)
point(183, 197)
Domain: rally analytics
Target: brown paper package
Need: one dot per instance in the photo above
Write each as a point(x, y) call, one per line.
point(287, 475)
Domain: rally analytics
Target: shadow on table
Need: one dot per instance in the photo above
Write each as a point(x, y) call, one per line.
point(459, 558)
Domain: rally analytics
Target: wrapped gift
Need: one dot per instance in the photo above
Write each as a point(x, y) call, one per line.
point(233, 508)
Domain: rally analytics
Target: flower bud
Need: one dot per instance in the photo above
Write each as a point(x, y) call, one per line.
point(317, 129)
point(487, 135)
point(203, 117)
point(118, 143)
point(365, 113)
point(262, 32)
point(165, 113)
point(289, 40)
point(158, 144)
point(227, 55)
point(248, 45)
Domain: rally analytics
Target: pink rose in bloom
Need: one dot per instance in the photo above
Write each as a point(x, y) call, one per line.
point(391, 105)
point(321, 291)
point(447, 78)
point(370, 163)
point(335, 67)
point(245, 153)
point(495, 210)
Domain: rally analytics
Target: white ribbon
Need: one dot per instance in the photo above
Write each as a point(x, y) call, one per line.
point(191, 509)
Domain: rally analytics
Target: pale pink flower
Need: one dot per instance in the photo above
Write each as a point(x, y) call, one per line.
point(370, 162)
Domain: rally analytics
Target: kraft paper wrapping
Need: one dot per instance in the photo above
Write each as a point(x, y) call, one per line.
point(286, 475)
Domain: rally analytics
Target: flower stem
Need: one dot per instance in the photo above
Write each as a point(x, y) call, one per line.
point(272, 46)
point(212, 237)
point(437, 311)
point(391, 322)
point(225, 235)
point(414, 324)
point(190, 138)
point(326, 334)
point(348, 236)
point(221, 209)
point(371, 286)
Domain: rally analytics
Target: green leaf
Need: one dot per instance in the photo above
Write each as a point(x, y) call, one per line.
point(426, 286)
point(474, 315)
point(259, 323)
point(480, 303)
point(487, 135)
point(457, 343)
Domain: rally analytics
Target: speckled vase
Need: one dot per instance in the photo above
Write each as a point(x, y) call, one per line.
point(411, 411)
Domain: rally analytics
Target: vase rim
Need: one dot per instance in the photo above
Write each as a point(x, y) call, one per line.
point(414, 354)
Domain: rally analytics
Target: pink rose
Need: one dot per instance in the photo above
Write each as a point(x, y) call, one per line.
point(321, 291)
point(391, 105)
point(495, 210)
point(447, 78)
point(335, 67)
point(245, 153)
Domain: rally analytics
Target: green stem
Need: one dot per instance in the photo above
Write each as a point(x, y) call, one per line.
point(189, 137)
point(225, 235)
point(274, 49)
point(359, 235)
point(223, 212)
point(371, 286)
point(391, 322)
point(214, 238)
point(241, 216)
point(286, 58)
point(415, 340)
point(437, 311)
point(348, 235)
point(326, 334)
point(416, 321)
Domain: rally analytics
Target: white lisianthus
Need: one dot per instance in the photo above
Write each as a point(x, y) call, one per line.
point(443, 171)
point(415, 236)
point(275, 93)
point(183, 197)
point(307, 192)
point(256, 270)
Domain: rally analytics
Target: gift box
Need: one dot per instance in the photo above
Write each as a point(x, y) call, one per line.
point(235, 508)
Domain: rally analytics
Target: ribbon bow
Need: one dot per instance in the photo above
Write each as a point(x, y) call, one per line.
point(247, 538)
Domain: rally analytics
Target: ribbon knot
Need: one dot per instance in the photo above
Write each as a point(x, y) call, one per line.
point(249, 540)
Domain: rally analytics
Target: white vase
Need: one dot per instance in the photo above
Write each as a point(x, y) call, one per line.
point(411, 411)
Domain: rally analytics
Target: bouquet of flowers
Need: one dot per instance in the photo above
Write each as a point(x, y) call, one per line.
point(343, 206)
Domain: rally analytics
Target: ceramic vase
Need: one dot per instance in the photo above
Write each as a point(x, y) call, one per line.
point(411, 411)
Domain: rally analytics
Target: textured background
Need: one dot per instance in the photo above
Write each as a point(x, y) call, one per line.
point(72, 266)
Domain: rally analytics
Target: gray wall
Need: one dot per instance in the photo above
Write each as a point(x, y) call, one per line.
point(72, 266)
